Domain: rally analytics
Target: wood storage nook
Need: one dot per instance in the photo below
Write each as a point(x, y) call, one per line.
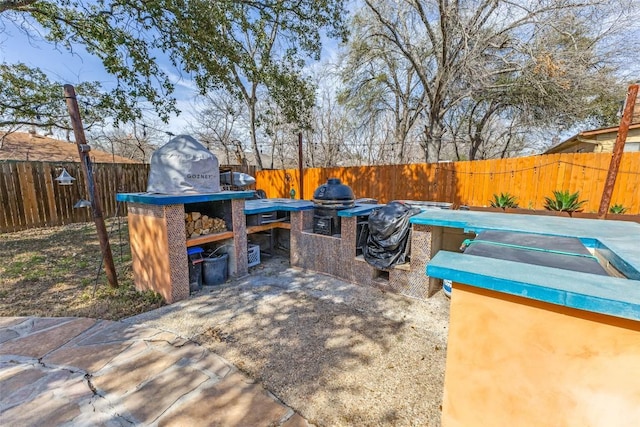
point(158, 227)
point(197, 224)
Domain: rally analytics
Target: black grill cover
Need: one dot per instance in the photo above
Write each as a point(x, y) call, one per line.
point(389, 229)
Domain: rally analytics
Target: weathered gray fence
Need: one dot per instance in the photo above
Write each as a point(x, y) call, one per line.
point(30, 197)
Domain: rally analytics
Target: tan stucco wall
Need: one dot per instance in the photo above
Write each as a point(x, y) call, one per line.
point(158, 250)
point(512, 361)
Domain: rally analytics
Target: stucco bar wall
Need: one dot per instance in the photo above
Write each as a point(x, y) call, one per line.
point(514, 361)
point(158, 250)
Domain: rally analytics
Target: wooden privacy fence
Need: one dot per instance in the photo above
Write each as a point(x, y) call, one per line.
point(474, 183)
point(30, 197)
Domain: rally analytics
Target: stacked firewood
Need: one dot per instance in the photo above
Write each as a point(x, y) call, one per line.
point(197, 224)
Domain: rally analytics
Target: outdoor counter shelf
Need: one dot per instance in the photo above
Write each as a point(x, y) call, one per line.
point(618, 241)
point(180, 199)
point(258, 206)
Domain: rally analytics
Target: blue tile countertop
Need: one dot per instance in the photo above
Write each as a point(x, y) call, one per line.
point(618, 241)
point(358, 210)
point(181, 199)
point(257, 206)
point(366, 209)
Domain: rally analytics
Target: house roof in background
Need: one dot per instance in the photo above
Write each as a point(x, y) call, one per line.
point(27, 147)
point(580, 137)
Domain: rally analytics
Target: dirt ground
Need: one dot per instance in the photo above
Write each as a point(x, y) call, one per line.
point(340, 354)
point(53, 272)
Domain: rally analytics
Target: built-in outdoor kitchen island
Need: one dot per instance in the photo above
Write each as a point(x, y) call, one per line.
point(159, 243)
point(341, 256)
point(552, 336)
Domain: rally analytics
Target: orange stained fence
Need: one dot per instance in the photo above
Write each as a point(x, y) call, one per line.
point(473, 183)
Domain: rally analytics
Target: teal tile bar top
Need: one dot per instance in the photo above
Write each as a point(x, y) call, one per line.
point(358, 210)
point(182, 199)
point(257, 206)
point(366, 209)
point(621, 238)
point(605, 295)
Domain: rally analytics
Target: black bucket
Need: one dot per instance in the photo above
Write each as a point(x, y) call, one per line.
point(215, 270)
point(195, 268)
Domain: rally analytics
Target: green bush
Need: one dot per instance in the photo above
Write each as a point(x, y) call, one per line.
point(564, 201)
point(617, 209)
point(504, 200)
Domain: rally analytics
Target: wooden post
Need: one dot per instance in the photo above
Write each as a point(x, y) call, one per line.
point(300, 166)
point(618, 149)
point(96, 209)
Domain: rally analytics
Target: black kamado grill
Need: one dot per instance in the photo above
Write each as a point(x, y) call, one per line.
point(328, 199)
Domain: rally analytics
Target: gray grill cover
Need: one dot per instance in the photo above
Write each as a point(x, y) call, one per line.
point(183, 165)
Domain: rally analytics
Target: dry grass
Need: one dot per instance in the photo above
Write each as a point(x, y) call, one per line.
point(52, 272)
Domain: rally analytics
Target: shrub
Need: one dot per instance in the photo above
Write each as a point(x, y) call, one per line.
point(564, 201)
point(504, 200)
point(617, 209)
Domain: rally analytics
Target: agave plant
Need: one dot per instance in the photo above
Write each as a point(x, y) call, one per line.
point(564, 201)
point(504, 200)
point(617, 209)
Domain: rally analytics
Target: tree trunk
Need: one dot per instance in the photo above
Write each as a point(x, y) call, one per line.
point(254, 138)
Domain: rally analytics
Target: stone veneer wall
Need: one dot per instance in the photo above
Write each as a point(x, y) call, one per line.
point(326, 254)
point(238, 257)
point(414, 282)
point(337, 257)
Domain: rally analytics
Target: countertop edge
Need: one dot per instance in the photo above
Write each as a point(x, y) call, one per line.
point(179, 199)
point(598, 294)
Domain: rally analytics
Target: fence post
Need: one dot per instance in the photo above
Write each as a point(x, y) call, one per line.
point(83, 151)
point(300, 166)
point(618, 148)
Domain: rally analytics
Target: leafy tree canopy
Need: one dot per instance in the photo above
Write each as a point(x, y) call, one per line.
point(200, 37)
point(29, 98)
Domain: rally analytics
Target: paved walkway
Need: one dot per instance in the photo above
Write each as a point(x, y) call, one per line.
point(75, 371)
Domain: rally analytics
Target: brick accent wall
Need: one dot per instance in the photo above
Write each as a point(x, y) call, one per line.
point(337, 257)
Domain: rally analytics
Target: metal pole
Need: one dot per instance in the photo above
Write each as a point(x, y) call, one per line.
point(618, 149)
point(300, 166)
point(96, 209)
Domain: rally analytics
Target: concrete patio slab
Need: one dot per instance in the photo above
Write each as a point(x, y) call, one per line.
point(83, 372)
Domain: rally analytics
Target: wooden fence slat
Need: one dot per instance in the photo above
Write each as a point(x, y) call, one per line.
point(30, 194)
point(626, 184)
point(38, 183)
point(16, 184)
point(6, 222)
